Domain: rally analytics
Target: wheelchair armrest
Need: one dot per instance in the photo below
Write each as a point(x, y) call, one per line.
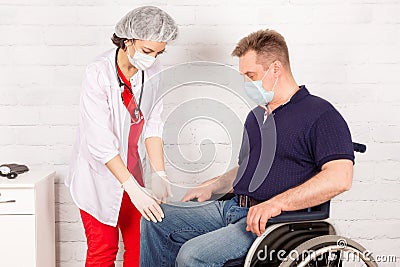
point(319, 212)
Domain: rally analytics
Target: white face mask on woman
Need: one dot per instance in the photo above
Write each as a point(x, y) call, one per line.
point(140, 60)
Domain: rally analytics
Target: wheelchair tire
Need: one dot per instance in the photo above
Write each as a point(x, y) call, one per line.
point(322, 246)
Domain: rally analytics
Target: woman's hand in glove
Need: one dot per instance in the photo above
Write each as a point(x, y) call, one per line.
point(161, 186)
point(143, 200)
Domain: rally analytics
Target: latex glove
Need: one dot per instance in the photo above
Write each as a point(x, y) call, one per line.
point(143, 200)
point(161, 186)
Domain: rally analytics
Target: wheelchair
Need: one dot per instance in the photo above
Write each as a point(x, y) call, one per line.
point(304, 238)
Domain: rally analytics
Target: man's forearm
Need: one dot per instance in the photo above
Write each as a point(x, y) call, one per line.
point(224, 183)
point(319, 189)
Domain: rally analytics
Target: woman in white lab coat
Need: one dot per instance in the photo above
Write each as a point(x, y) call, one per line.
point(117, 114)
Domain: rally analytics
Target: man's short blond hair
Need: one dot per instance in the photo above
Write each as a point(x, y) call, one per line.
point(269, 46)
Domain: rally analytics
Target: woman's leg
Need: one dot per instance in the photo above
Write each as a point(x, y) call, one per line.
point(129, 223)
point(102, 242)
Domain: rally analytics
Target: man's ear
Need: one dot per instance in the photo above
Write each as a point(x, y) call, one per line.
point(277, 68)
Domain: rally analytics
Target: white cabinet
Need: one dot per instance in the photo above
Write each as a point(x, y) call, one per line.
point(27, 222)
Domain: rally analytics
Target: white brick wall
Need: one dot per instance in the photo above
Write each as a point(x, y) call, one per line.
point(345, 51)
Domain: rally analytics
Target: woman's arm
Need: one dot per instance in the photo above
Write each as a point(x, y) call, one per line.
point(160, 185)
point(142, 200)
point(155, 152)
point(118, 168)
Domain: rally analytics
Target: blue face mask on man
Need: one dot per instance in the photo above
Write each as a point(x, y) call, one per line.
point(256, 92)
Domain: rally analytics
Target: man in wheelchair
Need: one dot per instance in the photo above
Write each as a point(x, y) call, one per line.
point(312, 163)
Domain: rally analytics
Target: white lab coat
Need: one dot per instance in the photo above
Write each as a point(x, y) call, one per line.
point(103, 133)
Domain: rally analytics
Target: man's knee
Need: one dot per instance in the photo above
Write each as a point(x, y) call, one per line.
point(147, 227)
point(172, 214)
point(187, 256)
point(194, 253)
point(150, 228)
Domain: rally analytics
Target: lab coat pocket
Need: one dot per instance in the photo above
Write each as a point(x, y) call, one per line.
point(97, 168)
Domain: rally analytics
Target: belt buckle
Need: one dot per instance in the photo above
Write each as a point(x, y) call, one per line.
point(244, 201)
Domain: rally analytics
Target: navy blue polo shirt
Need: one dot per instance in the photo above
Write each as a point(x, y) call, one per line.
point(308, 132)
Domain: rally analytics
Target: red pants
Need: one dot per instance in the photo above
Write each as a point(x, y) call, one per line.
point(102, 239)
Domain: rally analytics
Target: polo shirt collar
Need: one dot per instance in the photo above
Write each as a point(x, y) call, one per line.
point(300, 94)
point(297, 97)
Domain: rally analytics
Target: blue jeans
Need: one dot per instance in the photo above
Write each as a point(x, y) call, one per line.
point(196, 234)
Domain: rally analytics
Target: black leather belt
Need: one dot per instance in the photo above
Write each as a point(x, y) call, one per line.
point(246, 201)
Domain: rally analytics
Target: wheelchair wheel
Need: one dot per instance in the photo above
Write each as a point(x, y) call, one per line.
point(329, 250)
point(271, 248)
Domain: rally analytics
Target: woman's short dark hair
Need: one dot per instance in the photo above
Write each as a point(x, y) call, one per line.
point(119, 42)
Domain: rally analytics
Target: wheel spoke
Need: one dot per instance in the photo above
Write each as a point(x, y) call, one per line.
point(327, 252)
